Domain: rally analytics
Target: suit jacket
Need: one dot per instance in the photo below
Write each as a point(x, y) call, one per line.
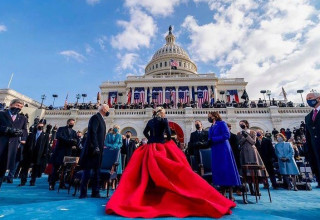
point(267, 153)
point(155, 129)
point(95, 139)
point(35, 150)
point(233, 140)
point(198, 140)
point(64, 144)
point(313, 142)
point(9, 145)
point(128, 149)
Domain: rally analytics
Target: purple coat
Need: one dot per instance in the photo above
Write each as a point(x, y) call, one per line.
point(224, 167)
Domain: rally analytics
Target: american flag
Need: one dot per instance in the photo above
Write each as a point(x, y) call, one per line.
point(183, 96)
point(139, 96)
point(170, 96)
point(157, 97)
point(203, 95)
point(173, 64)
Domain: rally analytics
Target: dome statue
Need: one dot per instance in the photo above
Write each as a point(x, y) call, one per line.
point(170, 59)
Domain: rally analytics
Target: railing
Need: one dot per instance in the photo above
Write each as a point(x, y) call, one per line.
point(58, 112)
point(253, 111)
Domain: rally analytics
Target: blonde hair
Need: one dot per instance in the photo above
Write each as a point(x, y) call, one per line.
point(116, 126)
point(283, 137)
point(158, 111)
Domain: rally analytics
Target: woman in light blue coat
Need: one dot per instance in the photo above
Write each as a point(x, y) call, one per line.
point(114, 140)
point(287, 164)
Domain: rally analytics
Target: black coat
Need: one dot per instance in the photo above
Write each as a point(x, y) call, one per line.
point(313, 142)
point(267, 153)
point(198, 140)
point(66, 139)
point(95, 139)
point(34, 150)
point(128, 149)
point(9, 145)
point(233, 140)
point(155, 129)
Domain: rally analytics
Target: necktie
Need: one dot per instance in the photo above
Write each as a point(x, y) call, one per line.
point(37, 136)
point(315, 112)
point(13, 117)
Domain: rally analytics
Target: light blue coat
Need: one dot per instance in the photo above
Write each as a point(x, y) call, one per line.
point(115, 141)
point(285, 150)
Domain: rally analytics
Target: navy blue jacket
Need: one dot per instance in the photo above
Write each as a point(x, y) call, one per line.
point(95, 139)
point(155, 130)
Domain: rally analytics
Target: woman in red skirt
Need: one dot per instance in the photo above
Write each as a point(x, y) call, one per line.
point(158, 181)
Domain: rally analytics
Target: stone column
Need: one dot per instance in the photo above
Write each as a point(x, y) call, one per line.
point(145, 94)
point(275, 117)
point(132, 95)
point(177, 95)
point(190, 93)
point(163, 94)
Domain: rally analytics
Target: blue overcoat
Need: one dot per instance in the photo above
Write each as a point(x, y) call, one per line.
point(224, 167)
point(115, 141)
point(285, 150)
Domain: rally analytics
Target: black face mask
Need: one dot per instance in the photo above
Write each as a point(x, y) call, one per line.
point(40, 128)
point(70, 126)
point(15, 110)
point(210, 120)
point(127, 136)
point(197, 126)
point(242, 126)
point(107, 114)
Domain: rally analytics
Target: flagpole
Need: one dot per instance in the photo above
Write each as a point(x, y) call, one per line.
point(10, 81)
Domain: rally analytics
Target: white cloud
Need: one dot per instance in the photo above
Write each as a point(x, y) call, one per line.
point(269, 43)
point(127, 61)
point(89, 49)
point(102, 42)
point(71, 54)
point(159, 7)
point(3, 28)
point(137, 32)
point(93, 2)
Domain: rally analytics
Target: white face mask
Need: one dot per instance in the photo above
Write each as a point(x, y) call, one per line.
point(280, 139)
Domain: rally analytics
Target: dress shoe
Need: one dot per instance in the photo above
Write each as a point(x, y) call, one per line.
point(10, 181)
point(22, 184)
point(96, 195)
point(51, 187)
point(82, 196)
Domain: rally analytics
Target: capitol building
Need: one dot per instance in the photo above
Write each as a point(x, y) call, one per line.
point(170, 77)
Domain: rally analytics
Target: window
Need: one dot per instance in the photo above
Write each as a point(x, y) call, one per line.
point(184, 64)
point(156, 66)
point(179, 63)
point(153, 67)
point(160, 65)
point(165, 63)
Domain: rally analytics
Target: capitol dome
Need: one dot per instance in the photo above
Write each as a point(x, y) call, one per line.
point(160, 63)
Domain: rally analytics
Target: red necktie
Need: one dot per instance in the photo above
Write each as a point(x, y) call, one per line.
point(13, 117)
point(315, 112)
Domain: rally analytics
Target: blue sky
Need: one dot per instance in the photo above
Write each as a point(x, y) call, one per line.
point(72, 46)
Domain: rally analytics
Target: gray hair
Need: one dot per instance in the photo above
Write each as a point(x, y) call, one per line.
point(102, 107)
point(157, 111)
point(14, 101)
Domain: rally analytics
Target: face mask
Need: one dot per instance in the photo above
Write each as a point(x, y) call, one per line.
point(210, 120)
point(15, 110)
point(127, 136)
point(197, 126)
point(312, 102)
point(115, 130)
point(280, 139)
point(258, 135)
point(107, 114)
point(242, 126)
point(70, 126)
point(40, 128)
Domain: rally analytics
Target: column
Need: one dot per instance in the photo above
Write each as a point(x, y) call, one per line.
point(177, 96)
point(163, 94)
point(132, 95)
point(190, 93)
point(145, 94)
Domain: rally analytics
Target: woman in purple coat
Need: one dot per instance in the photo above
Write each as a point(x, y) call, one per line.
point(224, 167)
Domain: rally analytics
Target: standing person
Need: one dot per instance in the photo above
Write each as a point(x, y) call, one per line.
point(34, 152)
point(66, 139)
point(233, 140)
point(249, 154)
point(128, 147)
point(313, 133)
point(53, 133)
point(91, 154)
point(224, 168)
point(267, 153)
point(160, 181)
point(274, 133)
point(114, 141)
point(287, 164)
point(198, 140)
point(13, 131)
